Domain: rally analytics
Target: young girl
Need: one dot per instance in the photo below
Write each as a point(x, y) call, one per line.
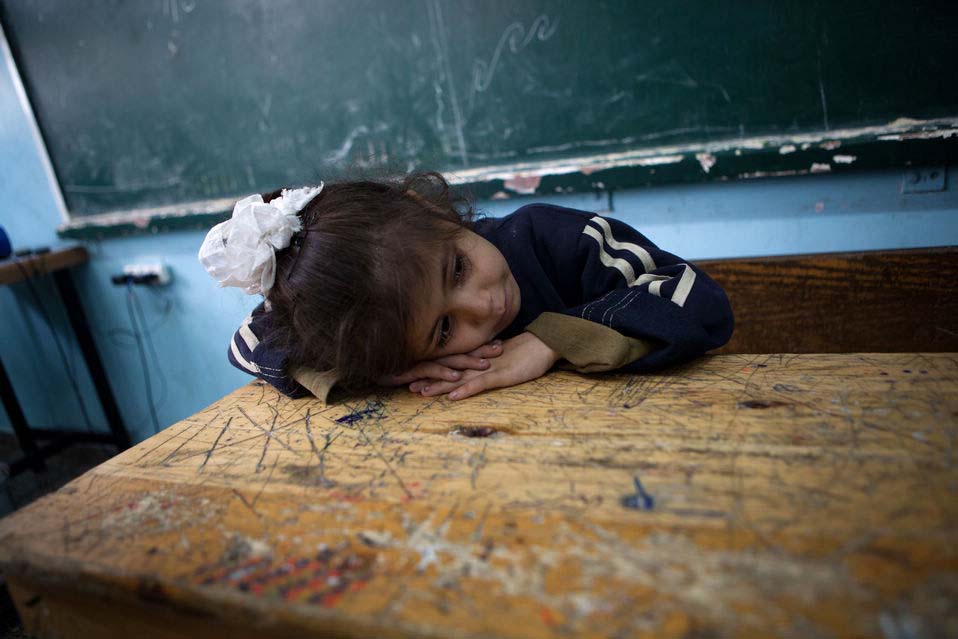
point(396, 283)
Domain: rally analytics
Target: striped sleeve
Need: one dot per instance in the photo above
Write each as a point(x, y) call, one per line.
point(643, 293)
point(248, 352)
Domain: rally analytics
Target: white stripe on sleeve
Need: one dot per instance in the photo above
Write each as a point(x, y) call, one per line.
point(249, 366)
point(614, 262)
point(649, 277)
point(244, 330)
point(684, 286)
point(635, 249)
point(682, 289)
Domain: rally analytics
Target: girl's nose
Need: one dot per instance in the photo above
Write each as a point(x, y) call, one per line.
point(474, 306)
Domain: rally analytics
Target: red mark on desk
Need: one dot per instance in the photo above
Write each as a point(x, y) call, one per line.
point(322, 579)
point(547, 616)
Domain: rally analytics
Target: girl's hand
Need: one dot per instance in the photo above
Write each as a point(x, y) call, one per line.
point(524, 357)
point(448, 368)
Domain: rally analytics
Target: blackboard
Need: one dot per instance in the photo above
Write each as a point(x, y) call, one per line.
point(174, 107)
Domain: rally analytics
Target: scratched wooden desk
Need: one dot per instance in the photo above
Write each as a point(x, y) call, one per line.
point(738, 496)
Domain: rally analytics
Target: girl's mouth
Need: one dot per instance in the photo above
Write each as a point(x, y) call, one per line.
point(506, 310)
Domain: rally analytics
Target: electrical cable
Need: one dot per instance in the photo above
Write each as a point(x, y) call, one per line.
point(146, 330)
point(123, 338)
point(139, 347)
point(68, 368)
point(115, 334)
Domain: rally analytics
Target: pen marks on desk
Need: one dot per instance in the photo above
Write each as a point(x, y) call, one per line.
point(170, 435)
point(209, 453)
point(320, 454)
point(196, 431)
point(477, 461)
point(640, 500)
point(269, 436)
point(787, 388)
point(760, 404)
point(304, 474)
point(269, 433)
point(389, 467)
point(639, 388)
point(372, 410)
point(267, 481)
point(245, 502)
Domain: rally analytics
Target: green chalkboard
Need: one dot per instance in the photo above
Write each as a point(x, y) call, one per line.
point(173, 107)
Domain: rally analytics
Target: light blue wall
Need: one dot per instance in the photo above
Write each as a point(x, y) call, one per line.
point(191, 320)
point(780, 216)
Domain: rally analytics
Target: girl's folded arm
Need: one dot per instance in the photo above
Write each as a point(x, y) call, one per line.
point(248, 352)
point(644, 308)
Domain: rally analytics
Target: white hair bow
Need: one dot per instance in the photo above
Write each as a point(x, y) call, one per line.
point(241, 251)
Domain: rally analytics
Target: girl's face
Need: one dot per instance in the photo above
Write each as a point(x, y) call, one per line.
point(471, 297)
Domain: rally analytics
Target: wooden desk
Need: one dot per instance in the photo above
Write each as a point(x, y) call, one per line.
point(739, 496)
point(19, 269)
point(58, 264)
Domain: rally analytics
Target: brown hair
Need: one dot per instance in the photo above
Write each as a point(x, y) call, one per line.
point(345, 288)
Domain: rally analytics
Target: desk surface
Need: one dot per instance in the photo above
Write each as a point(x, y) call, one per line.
point(811, 495)
point(17, 269)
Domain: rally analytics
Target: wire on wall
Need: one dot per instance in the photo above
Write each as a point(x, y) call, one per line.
point(124, 338)
point(133, 303)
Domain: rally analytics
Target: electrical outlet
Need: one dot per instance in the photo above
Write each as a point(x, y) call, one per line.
point(142, 270)
point(924, 180)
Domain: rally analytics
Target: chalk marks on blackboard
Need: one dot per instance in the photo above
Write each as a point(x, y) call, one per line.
point(672, 72)
point(340, 154)
point(450, 147)
point(821, 91)
point(172, 8)
point(515, 35)
point(128, 186)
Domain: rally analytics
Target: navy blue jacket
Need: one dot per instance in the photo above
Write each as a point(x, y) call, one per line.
point(600, 269)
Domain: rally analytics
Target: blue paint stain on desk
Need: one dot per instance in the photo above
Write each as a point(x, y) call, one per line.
point(641, 500)
point(371, 410)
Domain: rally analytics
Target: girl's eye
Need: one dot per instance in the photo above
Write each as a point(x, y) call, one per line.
point(443, 332)
point(460, 268)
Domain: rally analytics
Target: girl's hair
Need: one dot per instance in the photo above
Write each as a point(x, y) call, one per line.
point(345, 288)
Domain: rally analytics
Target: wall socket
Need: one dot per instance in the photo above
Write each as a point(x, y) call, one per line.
point(141, 270)
point(924, 180)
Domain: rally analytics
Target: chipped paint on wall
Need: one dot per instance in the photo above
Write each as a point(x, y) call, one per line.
point(662, 159)
point(763, 174)
point(943, 134)
point(525, 184)
point(523, 174)
point(830, 140)
point(706, 160)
